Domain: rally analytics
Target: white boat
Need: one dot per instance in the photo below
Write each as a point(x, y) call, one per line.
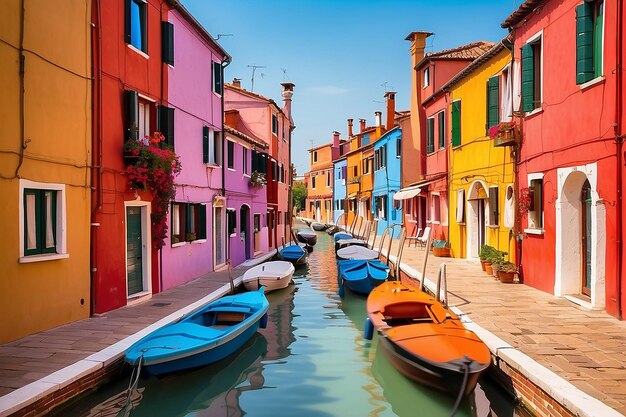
point(357, 252)
point(273, 275)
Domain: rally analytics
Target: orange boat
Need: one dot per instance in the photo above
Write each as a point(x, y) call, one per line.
point(425, 340)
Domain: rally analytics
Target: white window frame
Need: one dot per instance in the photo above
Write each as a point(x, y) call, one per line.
point(535, 230)
point(426, 77)
point(61, 221)
point(246, 153)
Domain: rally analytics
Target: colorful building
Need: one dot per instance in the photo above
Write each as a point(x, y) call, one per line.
point(480, 173)
point(320, 181)
point(340, 169)
point(194, 100)
point(434, 70)
point(246, 196)
point(45, 167)
point(273, 125)
point(567, 57)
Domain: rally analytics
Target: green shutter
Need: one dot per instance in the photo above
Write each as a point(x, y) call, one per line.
point(205, 144)
point(528, 79)
point(493, 101)
point(131, 99)
point(37, 216)
point(597, 41)
point(584, 42)
point(167, 42)
point(166, 124)
point(456, 123)
point(201, 221)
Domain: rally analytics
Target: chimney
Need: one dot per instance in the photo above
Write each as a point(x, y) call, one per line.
point(350, 127)
point(287, 94)
point(362, 125)
point(378, 115)
point(336, 139)
point(237, 82)
point(391, 108)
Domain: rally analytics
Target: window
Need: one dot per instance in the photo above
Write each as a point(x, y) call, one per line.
point(259, 162)
point(456, 123)
point(506, 95)
point(166, 124)
point(218, 85)
point(532, 74)
point(426, 77)
point(188, 222)
point(314, 156)
point(430, 135)
point(211, 146)
point(313, 181)
point(40, 221)
point(380, 207)
point(436, 209)
point(535, 211)
point(135, 25)
point(493, 206)
point(460, 206)
point(353, 204)
point(245, 160)
point(231, 222)
point(441, 121)
point(257, 222)
point(231, 154)
point(274, 124)
point(493, 102)
point(509, 207)
point(328, 178)
point(398, 147)
point(589, 40)
point(143, 124)
point(167, 42)
point(366, 166)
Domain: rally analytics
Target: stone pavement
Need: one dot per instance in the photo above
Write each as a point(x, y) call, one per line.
point(586, 348)
point(33, 357)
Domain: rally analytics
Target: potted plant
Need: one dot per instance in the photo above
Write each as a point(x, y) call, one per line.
point(441, 248)
point(257, 179)
point(507, 272)
point(485, 251)
point(495, 258)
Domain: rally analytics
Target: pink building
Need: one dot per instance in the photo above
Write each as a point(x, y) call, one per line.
point(194, 102)
point(265, 120)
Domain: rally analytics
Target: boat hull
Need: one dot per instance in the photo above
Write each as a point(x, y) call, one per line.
point(363, 276)
point(319, 226)
point(271, 276)
point(308, 238)
point(294, 254)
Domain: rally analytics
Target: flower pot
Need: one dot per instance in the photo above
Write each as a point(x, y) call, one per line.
point(488, 268)
point(505, 138)
point(507, 277)
point(483, 263)
point(495, 271)
point(441, 252)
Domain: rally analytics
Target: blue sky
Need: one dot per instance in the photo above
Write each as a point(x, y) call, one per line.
point(341, 55)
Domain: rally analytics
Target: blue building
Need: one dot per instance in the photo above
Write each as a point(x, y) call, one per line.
point(387, 169)
point(340, 168)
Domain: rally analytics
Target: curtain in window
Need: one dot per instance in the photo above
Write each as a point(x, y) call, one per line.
point(31, 224)
point(175, 219)
point(509, 208)
point(48, 195)
point(460, 206)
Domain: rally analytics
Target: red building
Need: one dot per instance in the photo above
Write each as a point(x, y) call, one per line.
point(568, 94)
point(430, 206)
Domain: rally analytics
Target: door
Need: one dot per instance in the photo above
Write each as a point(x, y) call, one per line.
point(244, 229)
point(257, 232)
point(218, 235)
point(270, 228)
point(585, 197)
point(134, 251)
point(318, 215)
point(481, 223)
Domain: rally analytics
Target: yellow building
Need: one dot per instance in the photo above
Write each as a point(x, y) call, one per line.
point(45, 162)
point(319, 200)
point(480, 174)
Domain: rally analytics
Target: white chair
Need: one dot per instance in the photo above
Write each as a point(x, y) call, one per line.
point(423, 239)
point(416, 235)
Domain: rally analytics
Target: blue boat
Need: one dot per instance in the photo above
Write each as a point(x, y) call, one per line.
point(294, 254)
point(210, 334)
point(341, 235)
point(362, 276)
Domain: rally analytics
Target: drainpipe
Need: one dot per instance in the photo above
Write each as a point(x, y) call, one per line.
point(619, 141)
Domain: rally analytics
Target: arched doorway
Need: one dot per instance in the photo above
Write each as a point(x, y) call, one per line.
point(580, 238)
point(244, 230)
point(476, 223)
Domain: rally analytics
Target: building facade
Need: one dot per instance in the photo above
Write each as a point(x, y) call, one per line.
point(321, 181)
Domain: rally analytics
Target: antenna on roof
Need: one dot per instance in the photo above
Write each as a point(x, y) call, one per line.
point(385, 85)
point(254, 67)
point(285, 76)
point(221, 35)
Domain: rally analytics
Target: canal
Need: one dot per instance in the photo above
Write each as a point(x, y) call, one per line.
point(311, 360)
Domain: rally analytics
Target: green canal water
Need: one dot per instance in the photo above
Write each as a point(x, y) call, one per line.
point(311, 360)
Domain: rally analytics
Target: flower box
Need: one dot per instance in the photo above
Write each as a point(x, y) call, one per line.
point(504, 134)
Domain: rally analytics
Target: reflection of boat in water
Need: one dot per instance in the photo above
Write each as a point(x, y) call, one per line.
point(205, 388)
point(279, 330)
point(408, 398)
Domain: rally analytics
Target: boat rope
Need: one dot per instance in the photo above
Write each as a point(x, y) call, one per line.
point(132, 386)
point(466, 366)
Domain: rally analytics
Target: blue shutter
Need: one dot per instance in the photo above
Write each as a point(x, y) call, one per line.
point(528, 78)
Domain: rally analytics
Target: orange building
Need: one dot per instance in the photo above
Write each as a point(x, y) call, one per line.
point(319, 179)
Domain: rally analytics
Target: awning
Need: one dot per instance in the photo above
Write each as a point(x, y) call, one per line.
point(405, 193)
point(351, 196)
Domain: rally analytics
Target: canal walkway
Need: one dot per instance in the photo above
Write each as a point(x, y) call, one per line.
point(585, 348)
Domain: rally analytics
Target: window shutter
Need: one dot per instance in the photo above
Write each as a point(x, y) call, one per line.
point(493, 101)
point(598, 41)
point(456, 123)
point(127, 37)
point(584, 42)
point(201, 221)
point(528, 79)
point(430, 135)
point(167, 42)
point(493, 206)
point(217, 77)
point(205, 144)
point(441, 120)
point(166, 124)
point(132, 114)
point(344, 172)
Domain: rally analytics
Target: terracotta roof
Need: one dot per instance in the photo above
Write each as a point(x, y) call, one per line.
point(245, 137)
point(522, 11)
point(470, 51)
point(251, 94)
point(402, 114)
point(493, 51)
